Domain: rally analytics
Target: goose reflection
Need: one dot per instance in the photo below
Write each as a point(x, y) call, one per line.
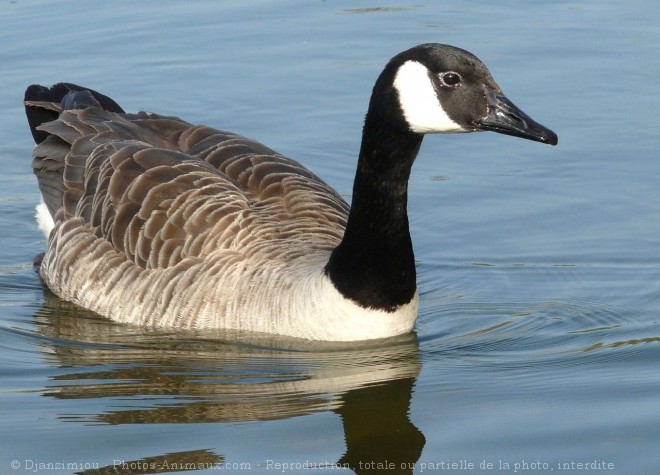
point(225, 376)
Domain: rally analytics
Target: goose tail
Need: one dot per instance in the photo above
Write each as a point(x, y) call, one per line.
point(44, 104)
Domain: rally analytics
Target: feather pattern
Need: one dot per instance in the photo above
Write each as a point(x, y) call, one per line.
point(159, 222)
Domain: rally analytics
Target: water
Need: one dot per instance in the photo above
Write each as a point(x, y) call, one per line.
point(538, 338)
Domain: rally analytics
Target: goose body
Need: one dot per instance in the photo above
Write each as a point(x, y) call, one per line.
point(154, 221)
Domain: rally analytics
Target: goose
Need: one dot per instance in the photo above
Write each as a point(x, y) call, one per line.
point(153, 221)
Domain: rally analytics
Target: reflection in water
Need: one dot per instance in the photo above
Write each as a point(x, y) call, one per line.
point(187, 461)
point(399, 442)
point(192, 377)
point(617, 344)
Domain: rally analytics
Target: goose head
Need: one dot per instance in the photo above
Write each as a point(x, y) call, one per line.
point(444, 89)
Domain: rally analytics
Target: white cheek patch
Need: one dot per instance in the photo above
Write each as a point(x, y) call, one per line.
point(419, 102)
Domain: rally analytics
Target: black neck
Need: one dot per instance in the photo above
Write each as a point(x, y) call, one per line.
point(374, 265)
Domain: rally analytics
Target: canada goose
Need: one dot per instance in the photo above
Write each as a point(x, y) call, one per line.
point(154, 221)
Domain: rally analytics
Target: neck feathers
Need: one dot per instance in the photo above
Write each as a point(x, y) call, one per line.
point(374, 265)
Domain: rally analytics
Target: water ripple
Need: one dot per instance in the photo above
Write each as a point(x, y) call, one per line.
point(533, 333)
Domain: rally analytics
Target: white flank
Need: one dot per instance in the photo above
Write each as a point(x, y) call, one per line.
point(307, 306)
point(419, 102)
point(44, 219)
point(292, 298)
point(340, 319)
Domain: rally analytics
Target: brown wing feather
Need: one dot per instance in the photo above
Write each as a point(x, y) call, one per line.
point(159, 189)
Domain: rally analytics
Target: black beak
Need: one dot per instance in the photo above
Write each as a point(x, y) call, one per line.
point(504, 117)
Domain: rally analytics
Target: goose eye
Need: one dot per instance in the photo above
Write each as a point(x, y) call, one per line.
point(451, 79)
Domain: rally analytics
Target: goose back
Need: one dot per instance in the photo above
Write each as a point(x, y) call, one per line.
point(149, 209)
